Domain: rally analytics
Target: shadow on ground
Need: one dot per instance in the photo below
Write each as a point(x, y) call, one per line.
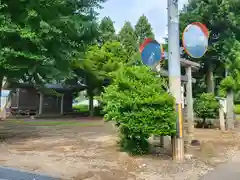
point(18, 130)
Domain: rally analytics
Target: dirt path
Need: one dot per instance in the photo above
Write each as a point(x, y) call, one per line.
point(88, 153)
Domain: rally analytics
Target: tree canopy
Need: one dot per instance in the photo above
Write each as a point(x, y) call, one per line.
point(128, 39)
point(143, 30)
point(38, 39)
point(107, 30)
point(221, 18)
point(99, 62)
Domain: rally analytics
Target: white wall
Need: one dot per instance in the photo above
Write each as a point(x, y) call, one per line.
point(3, 101)
point(4, 98)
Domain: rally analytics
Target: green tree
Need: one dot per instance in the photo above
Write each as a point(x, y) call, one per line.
point(99, 62)
point(107, 30)
point(232, 63)
point(38, 39)
point(138, 103)
point(143, 30)
point(128, 39)
point(206, 106)
point(220, 18)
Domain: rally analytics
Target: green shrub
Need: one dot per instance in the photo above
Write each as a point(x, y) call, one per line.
point(237, 109)
point(206, 106)
point(98, 111)
point(140, 106)
point(134, 145)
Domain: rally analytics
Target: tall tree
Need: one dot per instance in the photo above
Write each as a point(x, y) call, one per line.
point(99, 62)
point(39, 38)
point(107, 30)
point(143, 29)
point(220, 17)
point(128, 39)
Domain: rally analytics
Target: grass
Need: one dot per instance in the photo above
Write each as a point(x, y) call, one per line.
point(238, 118)
point(81, 108)
point(51, 123)
point(85, 110)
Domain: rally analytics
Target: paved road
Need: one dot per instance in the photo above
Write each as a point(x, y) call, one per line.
point(227, 171)
point(15, 174)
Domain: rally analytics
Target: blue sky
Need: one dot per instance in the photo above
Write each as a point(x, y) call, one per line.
point(130, 10)
point(196, 33)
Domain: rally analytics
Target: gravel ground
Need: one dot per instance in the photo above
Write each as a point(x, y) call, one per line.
point(91, 153)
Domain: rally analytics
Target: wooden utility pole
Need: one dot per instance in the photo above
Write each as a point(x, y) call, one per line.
point(174, 70)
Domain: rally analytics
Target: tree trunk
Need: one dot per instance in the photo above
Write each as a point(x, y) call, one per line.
point(91, 107)
point(203, 123)
point(210, 79)
point(162, 141)
point(1, 112)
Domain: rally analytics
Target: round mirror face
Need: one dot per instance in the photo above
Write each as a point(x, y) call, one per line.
point(195, 40)
point(151, 52)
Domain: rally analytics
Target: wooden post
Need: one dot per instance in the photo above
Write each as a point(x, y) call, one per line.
point(190, 116)
point(91, 105)
point(62, 103)
point(221, 115)
point(40, 103)
point(162, 141)
point(230, 108)
point(17, 97)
